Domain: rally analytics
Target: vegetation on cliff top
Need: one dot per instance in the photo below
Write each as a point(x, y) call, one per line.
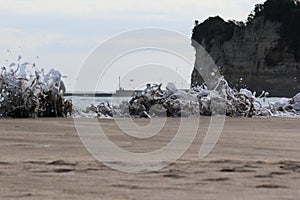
point(214, 29)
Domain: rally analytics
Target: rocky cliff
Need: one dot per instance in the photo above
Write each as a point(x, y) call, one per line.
point(261, 54)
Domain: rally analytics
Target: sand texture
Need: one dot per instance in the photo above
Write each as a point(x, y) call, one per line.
point(253, 159)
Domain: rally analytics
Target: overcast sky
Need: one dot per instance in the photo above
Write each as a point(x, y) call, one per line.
point(61, 33)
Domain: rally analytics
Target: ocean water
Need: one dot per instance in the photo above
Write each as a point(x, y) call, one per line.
point(80, 103)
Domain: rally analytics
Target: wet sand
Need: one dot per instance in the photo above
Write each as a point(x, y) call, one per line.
point(253, 159)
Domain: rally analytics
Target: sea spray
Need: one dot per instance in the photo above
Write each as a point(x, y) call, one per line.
point(172, 102)
point(26, 91)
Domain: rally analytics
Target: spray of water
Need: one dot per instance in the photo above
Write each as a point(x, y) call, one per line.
point(154, 102)
point(26, 91)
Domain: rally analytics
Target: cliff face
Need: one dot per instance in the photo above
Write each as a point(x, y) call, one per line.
point(259, 55)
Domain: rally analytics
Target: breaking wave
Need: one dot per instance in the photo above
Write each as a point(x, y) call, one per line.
point(26, 91)
point(172, 102)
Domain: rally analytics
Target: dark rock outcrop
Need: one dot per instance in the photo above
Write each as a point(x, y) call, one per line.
point(261, 54)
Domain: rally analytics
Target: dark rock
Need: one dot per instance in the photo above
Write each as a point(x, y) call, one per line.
point(262, 54)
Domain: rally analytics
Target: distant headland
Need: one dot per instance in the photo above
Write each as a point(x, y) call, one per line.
point(262, 53)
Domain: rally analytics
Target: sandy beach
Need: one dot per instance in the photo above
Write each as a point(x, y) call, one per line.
point(253, 159)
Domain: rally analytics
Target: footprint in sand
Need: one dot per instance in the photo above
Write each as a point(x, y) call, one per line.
point(237, 169)
point(290, 167)
point(271, 186)
point(60, 163)
point(63, 170)
point(172, 175)
point(216, 179)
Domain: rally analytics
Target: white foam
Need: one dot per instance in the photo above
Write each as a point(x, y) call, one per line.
point(220, 100)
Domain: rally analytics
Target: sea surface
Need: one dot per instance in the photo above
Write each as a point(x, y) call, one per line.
point(81, 103)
